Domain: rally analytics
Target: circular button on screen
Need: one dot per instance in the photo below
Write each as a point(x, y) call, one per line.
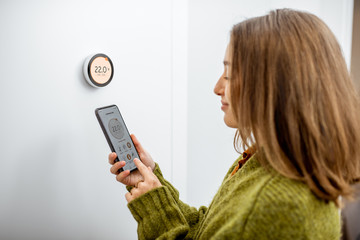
point(116, 129)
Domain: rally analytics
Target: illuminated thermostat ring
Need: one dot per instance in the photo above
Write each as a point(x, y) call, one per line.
point(98, 70)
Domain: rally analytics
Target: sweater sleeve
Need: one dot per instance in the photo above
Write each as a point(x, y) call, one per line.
point(161, 214)
point(158, 215)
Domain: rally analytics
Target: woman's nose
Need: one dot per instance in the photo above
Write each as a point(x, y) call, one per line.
point(219, 87)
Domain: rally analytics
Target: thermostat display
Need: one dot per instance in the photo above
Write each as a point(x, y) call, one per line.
point(98, 70)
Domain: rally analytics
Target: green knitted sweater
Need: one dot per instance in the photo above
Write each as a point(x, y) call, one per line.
point(255, 203)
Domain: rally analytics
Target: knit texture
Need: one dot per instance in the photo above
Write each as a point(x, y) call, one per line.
point(254, 203)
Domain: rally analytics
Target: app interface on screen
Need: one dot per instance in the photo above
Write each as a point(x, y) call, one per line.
point(119, 136)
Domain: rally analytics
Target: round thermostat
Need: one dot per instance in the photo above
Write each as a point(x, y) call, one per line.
point(98, 70)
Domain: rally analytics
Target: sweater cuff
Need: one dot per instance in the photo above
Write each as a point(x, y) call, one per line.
point(159, 175)
point(157, 210)
point(157, 171)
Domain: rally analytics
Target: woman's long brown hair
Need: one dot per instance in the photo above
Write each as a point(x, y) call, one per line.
point(293, 98)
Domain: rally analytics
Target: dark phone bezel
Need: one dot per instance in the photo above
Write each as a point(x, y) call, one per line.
point(107, 136)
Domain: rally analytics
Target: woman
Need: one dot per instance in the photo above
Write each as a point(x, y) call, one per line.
point(286, 89)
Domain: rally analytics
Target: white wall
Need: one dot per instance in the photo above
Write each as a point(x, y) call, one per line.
point(54, 176)
point(210, 142)
point(55, 181)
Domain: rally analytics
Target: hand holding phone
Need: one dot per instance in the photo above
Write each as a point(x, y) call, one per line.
point(104, 115)
point(149, 182)
point(135, 177)
point(117, 135)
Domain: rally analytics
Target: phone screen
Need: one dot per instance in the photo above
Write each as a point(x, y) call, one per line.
point(117, 135)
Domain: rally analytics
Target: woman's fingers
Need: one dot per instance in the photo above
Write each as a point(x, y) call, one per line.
point(115, 168)
point(137, 144)
point(112, 157)
point(144, 170)
point(149, 181)
point(144, 155)
point(121, 176)
point(128, 197)
point(137, 185)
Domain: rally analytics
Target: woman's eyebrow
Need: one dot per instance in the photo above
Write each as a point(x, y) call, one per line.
point(226, 63)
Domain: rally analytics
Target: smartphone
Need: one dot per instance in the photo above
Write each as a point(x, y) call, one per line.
point(117, 135)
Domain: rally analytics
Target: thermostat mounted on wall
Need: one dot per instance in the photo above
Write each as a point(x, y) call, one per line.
point(98, 70)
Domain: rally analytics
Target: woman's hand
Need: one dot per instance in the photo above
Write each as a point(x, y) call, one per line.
point(125, 177)
point(143, 186)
